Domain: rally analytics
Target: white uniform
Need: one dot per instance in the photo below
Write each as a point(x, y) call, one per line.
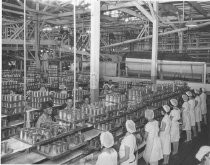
point(192, 111)
point(153, 150)
point(129, 141)
point(203, 104)
point(107, 157)
point(175, 134)
point(186, 116)
point(198, 115)
point(165, 136)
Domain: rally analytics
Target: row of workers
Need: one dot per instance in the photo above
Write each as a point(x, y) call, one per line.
point(158, 139)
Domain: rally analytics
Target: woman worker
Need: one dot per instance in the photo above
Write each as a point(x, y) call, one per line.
point(108, 155)
point(198, 116)
point(153, 150)
point(45, 118)
point(165, 133)
point(128, 145)
point(203, 155)
point(203, 105)
point(108, 87)
point(86, 101)
point(186, 126)
point(63, 89)
point(192, 112)
point(175, 134)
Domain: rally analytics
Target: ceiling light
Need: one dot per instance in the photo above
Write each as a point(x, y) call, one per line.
point(191, 24)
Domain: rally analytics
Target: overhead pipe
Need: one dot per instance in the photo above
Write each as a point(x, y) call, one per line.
point(150, 36)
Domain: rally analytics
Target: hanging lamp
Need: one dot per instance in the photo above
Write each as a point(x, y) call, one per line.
point(191, 23)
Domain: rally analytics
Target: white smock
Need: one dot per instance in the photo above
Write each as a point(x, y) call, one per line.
point(107, 157)
point(153, 150)
point(165, 135)
point(192, 111)
point(198, 115)
point(203, 104)
point(175, 116)
point(186, 116)
point(130, 141)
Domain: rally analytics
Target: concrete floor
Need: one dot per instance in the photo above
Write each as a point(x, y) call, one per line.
point(186, 155)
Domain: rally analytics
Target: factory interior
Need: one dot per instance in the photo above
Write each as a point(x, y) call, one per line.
point(105, 82)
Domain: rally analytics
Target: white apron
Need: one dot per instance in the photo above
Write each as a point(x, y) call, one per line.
point(130, 141)
point(203, 104)
point(106, 158)
point(175, 134)
point(165, 136)
point(153, 150)
point(198, 116)
point(192, 111)
point(186, 116)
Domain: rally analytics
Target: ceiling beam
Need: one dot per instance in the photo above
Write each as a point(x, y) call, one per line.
point(15, 12)
point(144, 11)
point(150, 36)
point(198, 8)
point(27, 9)
point(131, 12)
point(107, 7)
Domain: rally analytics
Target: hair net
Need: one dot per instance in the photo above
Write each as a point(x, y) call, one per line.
point(185, 97)
point(189, 94)
point(196, 91)
point(203, 89)
point(166, 108)
point(52, 93)
point(174, 102)
point(130, 126)
point(149, 114)
point(62, 87)
point(202, 151)
point(107, 139)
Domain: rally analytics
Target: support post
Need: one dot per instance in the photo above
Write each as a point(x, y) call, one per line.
point(37, 39)
point(204, 73)
point(95, 50)
point(180, 34)
point(154, 46)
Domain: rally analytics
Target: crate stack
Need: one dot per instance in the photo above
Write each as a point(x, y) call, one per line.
point(7, 86)
point(53, 77)
point(12, 75)
point(60, 98)
point(80, 93)
point(12, 115)
point(37, 97)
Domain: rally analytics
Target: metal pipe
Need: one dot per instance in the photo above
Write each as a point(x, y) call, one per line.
point(25, 58)
point(75, 54)
point(160, 34)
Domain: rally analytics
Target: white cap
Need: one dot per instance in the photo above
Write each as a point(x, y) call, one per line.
point(130, 126)
point(196, 91)
point(189, 94)
point(149, 114)
point(62, 87)
point(166, 108)
point(174, 102)
point(185, 97)
point(203, 89)
point(52, 92)
point(202, 151)
point(107, 139)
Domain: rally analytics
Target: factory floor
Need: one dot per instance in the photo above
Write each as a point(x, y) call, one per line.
point(186, 155)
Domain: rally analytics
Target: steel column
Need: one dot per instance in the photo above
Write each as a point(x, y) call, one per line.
point(95, 50)
point(154, 45)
